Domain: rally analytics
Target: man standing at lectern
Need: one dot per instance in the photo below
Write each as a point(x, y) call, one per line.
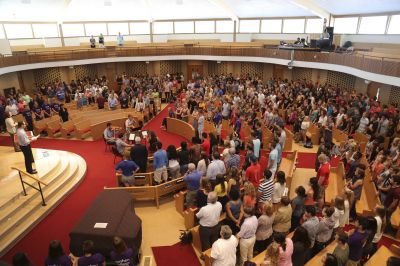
point(25, 145)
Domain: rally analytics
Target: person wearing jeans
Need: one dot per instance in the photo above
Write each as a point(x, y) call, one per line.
point(247, 235)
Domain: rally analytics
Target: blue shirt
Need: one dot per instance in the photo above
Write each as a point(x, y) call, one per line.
point(28, 115)
point(55, 107)
point(127, 167)
point(46, 108)
point(193, 180)
point(160, 159)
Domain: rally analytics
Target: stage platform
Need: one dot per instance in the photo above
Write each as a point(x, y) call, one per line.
point(62, 172)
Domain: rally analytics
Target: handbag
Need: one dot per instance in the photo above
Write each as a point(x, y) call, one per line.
point(186, 237)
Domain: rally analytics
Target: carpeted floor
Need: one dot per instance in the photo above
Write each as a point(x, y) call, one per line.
point(177, 255)
point(100, 173)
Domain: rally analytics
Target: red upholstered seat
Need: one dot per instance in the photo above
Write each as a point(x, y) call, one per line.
point(84, 130)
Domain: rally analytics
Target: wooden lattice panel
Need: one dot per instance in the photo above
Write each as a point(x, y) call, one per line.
point(253, 69)
point(394, 96)
point(302, 73)
point(170, 67)
point(44, 76)
point(85, 71)
point(215, 68)
point(136, 68)
point(344, 80)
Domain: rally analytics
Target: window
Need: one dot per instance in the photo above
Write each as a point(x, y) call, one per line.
point(293, 26)
point(95, 29)
point(163, 27)
point(394, 25)
point(205, 26)
point(271, 26)
point(140, 28)
point(314, 25)
point(2, 35)
point(184, 27)
point(73, 29)
point(225, 26)
point(15, 31)
point(115, 28)
point(345, 25)
point(373, 25)
point(45, 30)
point(248, 26)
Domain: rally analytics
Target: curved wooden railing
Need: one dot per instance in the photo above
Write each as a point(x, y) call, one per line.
point(385, 65)
point(23, 183)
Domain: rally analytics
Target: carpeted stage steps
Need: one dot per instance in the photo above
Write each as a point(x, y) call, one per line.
point(61, 170)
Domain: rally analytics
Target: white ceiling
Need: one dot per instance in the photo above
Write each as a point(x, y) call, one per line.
point(96, 10)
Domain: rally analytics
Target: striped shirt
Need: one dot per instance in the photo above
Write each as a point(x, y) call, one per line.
point(266, 189)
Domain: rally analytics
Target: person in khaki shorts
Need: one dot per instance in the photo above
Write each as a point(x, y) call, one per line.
point(160, 163)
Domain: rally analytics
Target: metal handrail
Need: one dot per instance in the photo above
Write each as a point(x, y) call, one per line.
point(23, 183)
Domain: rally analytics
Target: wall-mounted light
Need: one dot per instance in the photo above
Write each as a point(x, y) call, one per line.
point(315, 56)
point(71, 67)
point(367, 81)
point(147, 62)
point(218, 62)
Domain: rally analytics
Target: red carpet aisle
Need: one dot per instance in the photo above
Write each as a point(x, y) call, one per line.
point(100, 173)
point(177, 255)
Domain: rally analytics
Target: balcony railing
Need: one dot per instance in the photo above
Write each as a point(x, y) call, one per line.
point(376, 64)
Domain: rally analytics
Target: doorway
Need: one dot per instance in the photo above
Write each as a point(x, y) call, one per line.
point(194, 72)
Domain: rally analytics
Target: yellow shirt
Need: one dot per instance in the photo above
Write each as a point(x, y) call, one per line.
point(218, 190)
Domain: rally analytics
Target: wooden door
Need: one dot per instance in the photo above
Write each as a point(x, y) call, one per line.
point(194, 71)
point(278, 71)
point(372, 89)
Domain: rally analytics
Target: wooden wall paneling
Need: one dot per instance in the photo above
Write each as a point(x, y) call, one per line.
point(47, 75)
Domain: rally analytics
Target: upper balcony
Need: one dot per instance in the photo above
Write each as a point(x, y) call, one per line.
point(381, 67)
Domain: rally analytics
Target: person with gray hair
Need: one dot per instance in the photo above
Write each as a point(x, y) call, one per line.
point(247, 235)
point(234, 159)
point(223, 251)
point(209, 221)
point(139, 154)
point(192, 179)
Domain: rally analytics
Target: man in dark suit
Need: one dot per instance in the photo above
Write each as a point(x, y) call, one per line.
point(139, 155)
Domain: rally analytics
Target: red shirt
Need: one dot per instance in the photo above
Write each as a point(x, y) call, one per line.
point(206, 146)
point(324, 171)
point(253, 174)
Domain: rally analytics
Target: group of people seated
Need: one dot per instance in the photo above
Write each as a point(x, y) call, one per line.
point(119, 255)
point(225, 173)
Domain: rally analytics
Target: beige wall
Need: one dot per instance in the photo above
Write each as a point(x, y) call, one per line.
point(360, 86)
point(8, 81)
point(268, 71)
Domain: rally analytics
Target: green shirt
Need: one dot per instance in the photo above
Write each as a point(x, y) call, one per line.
point(342, 255)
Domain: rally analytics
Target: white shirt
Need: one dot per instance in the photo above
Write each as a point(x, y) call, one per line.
point(223, 251)
point(23, 139)
point(379, 233)
point(209, 215)
point(10, 124)
point(278, 192)
point(282, 138)
point(214, 168)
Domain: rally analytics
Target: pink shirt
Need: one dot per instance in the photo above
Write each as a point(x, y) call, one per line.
point(285, 257)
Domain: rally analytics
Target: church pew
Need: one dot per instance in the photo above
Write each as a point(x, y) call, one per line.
point(180, 127)
point(339, 137)
point(179, 199)
point(261, 256)
point(317, 259)
point(369, 199)
point(382, 255)
point(41, 125)
point(289, 140)
point(141, 179)
point(288, 166)
point(336, 183)
point(314, 130)
point(53, 127)
point(82, 129)
point(362, 140)
point(67, 128)
point(395, 221)
point(150, 192)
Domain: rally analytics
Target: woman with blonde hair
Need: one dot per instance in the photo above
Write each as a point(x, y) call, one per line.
point(250, 195)
point(272, 255)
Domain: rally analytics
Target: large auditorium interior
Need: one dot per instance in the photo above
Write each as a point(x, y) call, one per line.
point(199, 132)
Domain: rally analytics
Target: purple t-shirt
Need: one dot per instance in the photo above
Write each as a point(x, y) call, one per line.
point(95, 259)
point(124, 259)
point(63, 260)
point(356, 242)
